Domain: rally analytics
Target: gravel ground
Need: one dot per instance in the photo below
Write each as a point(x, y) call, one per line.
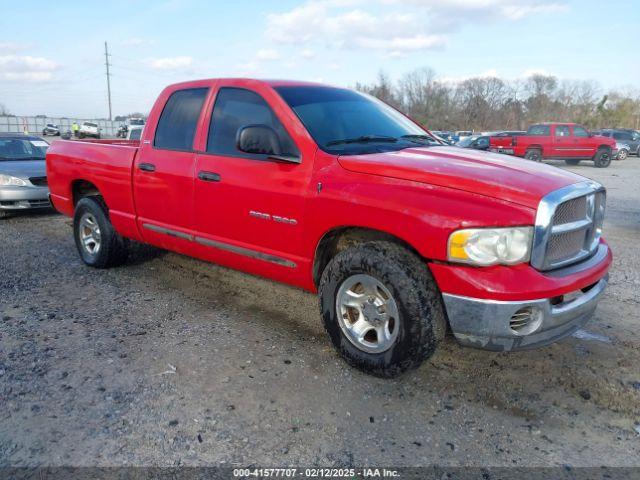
point(169, 361)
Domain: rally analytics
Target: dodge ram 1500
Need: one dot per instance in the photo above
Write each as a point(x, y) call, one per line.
point(333, 191)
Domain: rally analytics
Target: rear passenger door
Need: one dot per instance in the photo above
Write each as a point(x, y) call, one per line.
point(562, 142)
point(163, 171)
point(585, 146)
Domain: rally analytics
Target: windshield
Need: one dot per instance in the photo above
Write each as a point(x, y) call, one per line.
point(136, 121)
point(346, 122)
point(92, 125)
point(15, 148)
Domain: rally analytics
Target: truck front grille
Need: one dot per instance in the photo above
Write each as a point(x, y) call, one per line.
point(568, 225)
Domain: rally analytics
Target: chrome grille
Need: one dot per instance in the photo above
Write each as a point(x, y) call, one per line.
point(565, 245)
point(568, 225)
point(571, 211)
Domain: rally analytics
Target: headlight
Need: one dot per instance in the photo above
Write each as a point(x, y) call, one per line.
point(491, 246)
point(8, 180)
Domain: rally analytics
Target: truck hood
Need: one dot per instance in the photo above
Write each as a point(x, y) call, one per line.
point(498, 176)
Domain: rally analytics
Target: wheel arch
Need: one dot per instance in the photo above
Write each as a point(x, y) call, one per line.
point(81, 188)
point(339, 238)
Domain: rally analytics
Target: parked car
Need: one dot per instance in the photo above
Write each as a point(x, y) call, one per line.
point(131, 122)
point(502, 142)
point(462, 134)
point(335, 192)
point(477, 142)
point(89, 129)
point(623, 151)
point(50, 129)
point(631, 138)
point(23, 179)
point(136, 121)
point(134, 132)
point(568, 141)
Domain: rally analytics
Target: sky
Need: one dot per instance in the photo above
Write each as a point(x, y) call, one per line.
point(52, 54)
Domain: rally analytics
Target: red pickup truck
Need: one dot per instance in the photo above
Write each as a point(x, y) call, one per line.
point(567, 141)
point(335, 192)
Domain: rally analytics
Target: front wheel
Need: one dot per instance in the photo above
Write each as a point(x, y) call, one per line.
point(98, 243)
point(602, 158)
point(533, 154)
point(622, 155)
point(381, 308)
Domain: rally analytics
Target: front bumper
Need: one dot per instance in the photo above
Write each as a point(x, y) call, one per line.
point(542, 316)
point(23, 198)
point(488, 324)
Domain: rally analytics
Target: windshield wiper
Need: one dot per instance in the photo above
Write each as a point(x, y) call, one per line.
point(417, 137)
point(363, 139)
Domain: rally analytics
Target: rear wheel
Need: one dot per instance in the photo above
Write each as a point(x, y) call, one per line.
point(533, 154)
point(622, 154)
point(602, 158)
point(98, 243)
point(572, 161)
point(381, 308)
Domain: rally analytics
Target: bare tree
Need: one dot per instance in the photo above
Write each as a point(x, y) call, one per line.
point(493, 104)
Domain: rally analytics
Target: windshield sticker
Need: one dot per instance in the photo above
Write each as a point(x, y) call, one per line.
point(39, 143)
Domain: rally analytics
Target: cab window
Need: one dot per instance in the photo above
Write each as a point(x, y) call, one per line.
point(539, 130)
point(579, 131)
point(236, 108)
point(562, 131)
point(177, 125)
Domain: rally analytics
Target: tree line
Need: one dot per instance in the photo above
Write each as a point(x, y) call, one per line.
point(490, 103)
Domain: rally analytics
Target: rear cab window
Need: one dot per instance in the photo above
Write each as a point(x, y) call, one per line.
point(179, 119)
point(539, 130)
point(579, 131)
point(235, 108)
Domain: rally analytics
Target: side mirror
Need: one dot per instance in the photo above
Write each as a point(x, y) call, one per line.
point(262, 140)
point(258, 139)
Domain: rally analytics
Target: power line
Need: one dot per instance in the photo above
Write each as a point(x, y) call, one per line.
point(106, 62)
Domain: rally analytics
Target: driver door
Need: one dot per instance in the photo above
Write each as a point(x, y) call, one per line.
point(249, 209)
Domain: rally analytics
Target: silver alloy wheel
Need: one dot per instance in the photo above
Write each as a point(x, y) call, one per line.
point(622, 155)
point(367, 313)
point(89, 233)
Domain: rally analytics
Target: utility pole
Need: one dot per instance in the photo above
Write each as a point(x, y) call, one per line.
point(106, 62)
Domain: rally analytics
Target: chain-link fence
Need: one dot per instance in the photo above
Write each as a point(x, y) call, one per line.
point(35, 125)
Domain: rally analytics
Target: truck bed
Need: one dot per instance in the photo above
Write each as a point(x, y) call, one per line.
point(102, 164)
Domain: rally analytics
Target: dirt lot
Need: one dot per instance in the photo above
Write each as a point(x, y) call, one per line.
point(169, 361)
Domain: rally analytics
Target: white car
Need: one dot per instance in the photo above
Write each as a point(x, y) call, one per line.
point(89, 129)
point(135, 132)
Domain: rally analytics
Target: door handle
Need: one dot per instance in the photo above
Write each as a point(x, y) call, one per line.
point(147, 167)
point(209, 176)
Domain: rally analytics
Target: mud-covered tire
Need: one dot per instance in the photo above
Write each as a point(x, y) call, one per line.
point(572, 161)
point(421, 323)
point(113, 248)
point(533, 154)
point(602, 158)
